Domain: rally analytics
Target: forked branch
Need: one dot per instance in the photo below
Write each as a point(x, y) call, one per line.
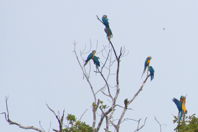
point(11, 122)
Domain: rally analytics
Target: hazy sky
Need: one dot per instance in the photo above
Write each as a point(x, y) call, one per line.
point(38, 66)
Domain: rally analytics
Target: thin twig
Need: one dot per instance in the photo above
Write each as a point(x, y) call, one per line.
point(138, 125)
point(160, 125)
point(59, 119)
point(141, 88)
point(93, 93)
point(83, 114)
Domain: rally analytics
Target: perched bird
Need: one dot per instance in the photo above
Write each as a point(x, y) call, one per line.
point(96, 61)
point(105, 21)
point(108, 33)
point(180, 106)
point(126, 102)
point(146, 63)
point(90, 56)
point(107, 27)
point(152, 71)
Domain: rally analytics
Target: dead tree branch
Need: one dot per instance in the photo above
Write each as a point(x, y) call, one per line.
point(11, 122)
point(129, 102)
point(92, 90)
point(104, 114)
point(141, 88)
point(60, 119)
point(160, 125)
point(138, 125)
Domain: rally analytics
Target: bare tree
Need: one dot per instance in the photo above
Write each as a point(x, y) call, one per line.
point(107, 113)
point(111, 93)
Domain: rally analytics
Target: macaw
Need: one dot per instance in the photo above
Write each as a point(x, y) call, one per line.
point(105, 21)
point(146, 63)
point(180, 106)
point(126, 102)
point(107, 27)
point(152, 71)
point(90, 56)
point(96, 61)
point(108, 32)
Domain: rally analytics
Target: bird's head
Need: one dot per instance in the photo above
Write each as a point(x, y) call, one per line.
point(94, 52)
point(183, 99)
point(150, 68)
point(104, 16)
point(149, 57)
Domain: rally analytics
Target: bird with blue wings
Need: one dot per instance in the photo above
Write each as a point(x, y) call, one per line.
point(105, 21)
point(107, 29)
point(180, 106)
point(90, 56)
point(146, 64)
point(96, 61)
point(151, 71)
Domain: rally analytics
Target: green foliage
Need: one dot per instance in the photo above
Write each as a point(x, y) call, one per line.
point(71, 118)
point(76, 125)
point(189, 125)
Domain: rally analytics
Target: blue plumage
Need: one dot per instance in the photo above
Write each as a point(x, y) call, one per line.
point(146, 63)
point(107, 27)
point(90, 56)
point(96, 61)
point(151, 70)
point(178, 104)
point(105, 21)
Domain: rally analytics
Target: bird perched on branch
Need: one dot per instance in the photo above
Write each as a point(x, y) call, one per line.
point(126, 102)
point(96, 61)
point(146, 64)
point(107, 29)
point(90, 56)
point(151, 71)
point(180, 106)
point(105, 21)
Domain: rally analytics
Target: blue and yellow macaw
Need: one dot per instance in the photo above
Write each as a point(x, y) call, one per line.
point(96, 61)
point(151, 70)
point(180, 106)
point(146, 63)
point(105, 21)
point(107, 27)
point(90, 56)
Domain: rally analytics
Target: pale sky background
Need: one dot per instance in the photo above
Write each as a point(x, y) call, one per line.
point(38, 66)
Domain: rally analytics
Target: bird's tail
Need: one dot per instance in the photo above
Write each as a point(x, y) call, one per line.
point(85, 63)
point(108, 32)
point(180, 114)
point(152, 77)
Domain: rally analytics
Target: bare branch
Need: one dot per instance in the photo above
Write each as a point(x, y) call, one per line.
point(99, 19)
point(94, 109)
point(83, 114)
point(104, 114)
point(59, 119)
point(160, 125)
point(105, 61)
point(84, 73)
point(129, 102)
point(138, 125)
point(123, 107)
point(109, 92)
point(141, 88)
point(7, 118)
